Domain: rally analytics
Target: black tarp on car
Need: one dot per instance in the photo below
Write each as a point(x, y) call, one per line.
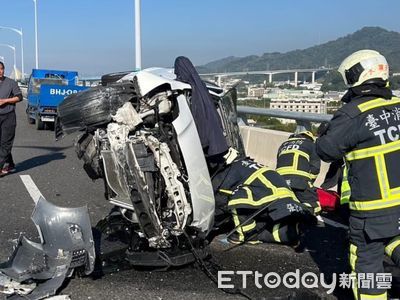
point(204, 112)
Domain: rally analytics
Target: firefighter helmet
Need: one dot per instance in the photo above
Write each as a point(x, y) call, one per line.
point(304, 133)
point(363, 65)
point(307, 133)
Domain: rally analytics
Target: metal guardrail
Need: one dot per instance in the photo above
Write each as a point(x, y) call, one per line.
point(276, 113)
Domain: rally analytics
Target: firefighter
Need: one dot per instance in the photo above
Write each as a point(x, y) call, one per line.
point(365, 132)
point(262, 206)
point(299, 164)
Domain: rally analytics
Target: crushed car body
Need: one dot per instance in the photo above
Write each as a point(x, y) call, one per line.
point(37, 270)
point(147, 135)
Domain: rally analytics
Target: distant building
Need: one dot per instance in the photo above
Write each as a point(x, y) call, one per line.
point(333, 102)
point(229, 83)
point(257, 92)
point(248, 99)
point(317, 106)
point(311, 86)
point(277, 93)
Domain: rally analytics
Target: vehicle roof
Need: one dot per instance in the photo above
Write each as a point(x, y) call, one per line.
point(44, 73)
point(151, 78)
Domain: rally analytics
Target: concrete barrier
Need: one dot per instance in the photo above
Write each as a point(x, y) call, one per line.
point(263, 144)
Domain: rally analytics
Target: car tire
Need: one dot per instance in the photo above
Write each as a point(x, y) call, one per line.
point(39, 123)
point(112, 77)
point(30, 120)
point(94, 107)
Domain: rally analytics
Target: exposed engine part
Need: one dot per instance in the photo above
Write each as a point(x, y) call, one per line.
point(127, 115)
point(66, 244)
point(116, 180)
point(143, 201)
point(177, 200)
point(117, 137)
point(161, 101)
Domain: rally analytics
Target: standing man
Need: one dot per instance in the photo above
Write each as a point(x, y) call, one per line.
point(9, 95)
point(299, 164)
point(365, 131)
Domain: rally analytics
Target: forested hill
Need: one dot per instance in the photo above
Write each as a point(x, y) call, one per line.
point(328, 54)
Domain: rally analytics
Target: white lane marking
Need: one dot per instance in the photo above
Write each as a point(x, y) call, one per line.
point(31, 187)
point(59, 297)
point(331, 222)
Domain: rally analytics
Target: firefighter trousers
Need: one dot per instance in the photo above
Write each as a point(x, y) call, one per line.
point(282, 233)
point(265, 232)
point(366, 260)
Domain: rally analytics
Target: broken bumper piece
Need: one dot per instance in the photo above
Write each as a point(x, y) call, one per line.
point(36, 270)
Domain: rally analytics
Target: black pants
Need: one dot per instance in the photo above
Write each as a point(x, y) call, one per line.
point(282, 233)
point(264, 230)
point(8, 124)
point(370, 240)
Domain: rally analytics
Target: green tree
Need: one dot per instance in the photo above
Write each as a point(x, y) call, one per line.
point(333, 82)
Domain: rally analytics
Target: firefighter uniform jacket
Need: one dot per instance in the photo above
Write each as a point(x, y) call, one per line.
point(366, 132)
point(245, 187)
point(298, 161)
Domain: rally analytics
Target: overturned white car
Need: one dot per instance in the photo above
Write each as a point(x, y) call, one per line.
point(153, 136)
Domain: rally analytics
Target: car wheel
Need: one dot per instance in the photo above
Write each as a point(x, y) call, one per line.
point(112, 77)
point(39, 123)
point(30, 120)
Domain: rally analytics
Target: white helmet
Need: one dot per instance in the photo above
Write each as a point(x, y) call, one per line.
point(363, 65)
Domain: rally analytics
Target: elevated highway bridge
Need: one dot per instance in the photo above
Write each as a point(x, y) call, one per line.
point(270, 73)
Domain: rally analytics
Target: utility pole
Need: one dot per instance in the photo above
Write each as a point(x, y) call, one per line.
point(138, 40)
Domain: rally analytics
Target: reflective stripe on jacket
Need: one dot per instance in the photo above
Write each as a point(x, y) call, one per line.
point(345, 188)
point(298, 162)
point(366, 132)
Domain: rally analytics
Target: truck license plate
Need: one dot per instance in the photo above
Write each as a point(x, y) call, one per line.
point(47, 119)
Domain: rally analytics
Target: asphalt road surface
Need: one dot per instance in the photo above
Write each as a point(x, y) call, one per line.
point(58, 174)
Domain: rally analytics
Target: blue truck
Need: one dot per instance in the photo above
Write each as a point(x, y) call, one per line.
point(46, 89)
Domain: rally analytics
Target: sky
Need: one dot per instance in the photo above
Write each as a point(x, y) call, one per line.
point(95, 37)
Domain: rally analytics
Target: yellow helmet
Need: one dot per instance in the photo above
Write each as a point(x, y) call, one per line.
point(363, 65)
point(307, 133)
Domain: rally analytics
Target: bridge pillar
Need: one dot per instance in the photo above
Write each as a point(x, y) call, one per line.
point(217, 80)
point(313, 77)
point(270, 77)
point(295, 78)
